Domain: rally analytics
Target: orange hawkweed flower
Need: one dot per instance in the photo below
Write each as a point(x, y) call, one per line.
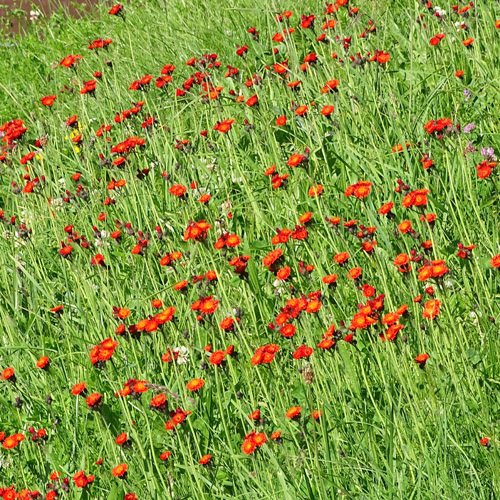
point(120, 471)
point(436, 39)
point(301, 110)
point(390, 318)
point(121, 439)
point(217, 358)
point(224, 126)
point(181, 285)
point(177, 190)
point(401, 261)
point(405, 226)
point(276, 435)
point(330, 85)
point(439, 269)
point(70, 60)
point(78, 388)
point(233, 240)
point(195, 385)
point(248, 446)
point(293, 412)
point(98, 260)
point(10, 442)
point(495, 261)
point(381, 57)
point(158, 402)
point(316, 190)
point(259, 439)
point(391, 332)
point(288, 330)
point(272, 257)
point(485, 168)
point(94, 401)
point(197, 231)
point(295, 159)
point(355, 273)
point(327, 110)
point(205, 459)
point(123, 313)
point(116, 9)
point(485, 442)
point(360, 190)
point(208, 305)
point(317, 414)
point(48, 100)
point(264, 354)
point(341, 258)
point(421, 359)
point(283, 274)
point(8, 374)
point(43, 363)
point(431, 309)
point(302, 352)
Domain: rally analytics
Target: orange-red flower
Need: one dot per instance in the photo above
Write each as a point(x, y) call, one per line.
point(295, 160)
point(421, 359)
point(293, 412)
point(341, 258)
point(217, 358)
point(8, 374)
point(360, 189)
point(205, 459)
point(195, 385)
point(264, 354)
point(316, 190)
point(43, 363)
point(94, 401)
point(48, 100)
point(120, 471)
point(431, 309)
point(248, 446)
point(116, 9)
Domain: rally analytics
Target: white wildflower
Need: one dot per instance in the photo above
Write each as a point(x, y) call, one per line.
point(34, 15)
point(440, 11)
point(183, 355)
point(57, 204)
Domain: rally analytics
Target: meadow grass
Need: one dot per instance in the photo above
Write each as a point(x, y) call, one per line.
point(389, 428)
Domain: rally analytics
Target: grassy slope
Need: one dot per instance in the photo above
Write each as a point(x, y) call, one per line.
point(403, 432)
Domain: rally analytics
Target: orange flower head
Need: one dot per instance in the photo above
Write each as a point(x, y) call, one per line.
point(120, 470)
point(294, 412)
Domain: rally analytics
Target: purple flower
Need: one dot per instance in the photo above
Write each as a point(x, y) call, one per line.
point(488, 153)
point(469, 128)
point(467, 94)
